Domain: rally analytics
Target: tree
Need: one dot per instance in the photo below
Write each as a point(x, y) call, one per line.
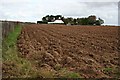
point(75, 21)
point(51, 18)
point(65, 20)
point(99, 21)
point(91, 20)
point(44, 20)
point(84, 21)
point(69, 20)
point(92, 17)
point(58, 17)
point(78, 21)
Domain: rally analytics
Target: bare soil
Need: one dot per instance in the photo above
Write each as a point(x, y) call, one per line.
point(91, 51)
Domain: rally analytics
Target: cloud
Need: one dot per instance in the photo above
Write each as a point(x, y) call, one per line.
point(105, 10)
point(98, 0)
point(33, 10)
point(119, 13)
point(100, 4)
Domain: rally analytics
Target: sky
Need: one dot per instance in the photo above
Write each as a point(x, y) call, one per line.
point(34, 10)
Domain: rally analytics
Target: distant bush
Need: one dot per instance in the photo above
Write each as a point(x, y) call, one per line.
point(41, 22)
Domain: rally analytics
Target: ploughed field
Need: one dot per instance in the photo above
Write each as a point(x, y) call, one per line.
point(90, 51)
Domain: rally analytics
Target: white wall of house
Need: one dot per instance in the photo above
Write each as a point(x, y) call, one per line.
point(56, 22)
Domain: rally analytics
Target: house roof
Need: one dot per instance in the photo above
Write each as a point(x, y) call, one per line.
point(57, 21)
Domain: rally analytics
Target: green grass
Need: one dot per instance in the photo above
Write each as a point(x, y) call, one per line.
point(9, 44)
point(65, 73)
point(72, 75)
point(14, 65)
point(108, 69)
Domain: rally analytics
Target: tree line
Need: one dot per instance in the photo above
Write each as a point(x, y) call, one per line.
point(90, 20)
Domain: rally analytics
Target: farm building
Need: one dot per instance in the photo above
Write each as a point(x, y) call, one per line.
point(56, 22)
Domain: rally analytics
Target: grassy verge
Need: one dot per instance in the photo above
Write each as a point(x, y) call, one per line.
point(13, 65)
point(64, 73)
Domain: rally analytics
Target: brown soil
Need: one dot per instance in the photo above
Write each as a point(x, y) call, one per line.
point(91, 51)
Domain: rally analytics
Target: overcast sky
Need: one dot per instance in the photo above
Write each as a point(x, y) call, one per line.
point(33, 10)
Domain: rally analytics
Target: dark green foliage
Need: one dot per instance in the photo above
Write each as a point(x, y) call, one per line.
point(100, 20)
point(91, 20)
point(97, 22)
point(41, 22)
point(51, 18)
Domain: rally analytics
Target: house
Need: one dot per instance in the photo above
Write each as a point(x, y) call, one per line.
point(56, 22)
